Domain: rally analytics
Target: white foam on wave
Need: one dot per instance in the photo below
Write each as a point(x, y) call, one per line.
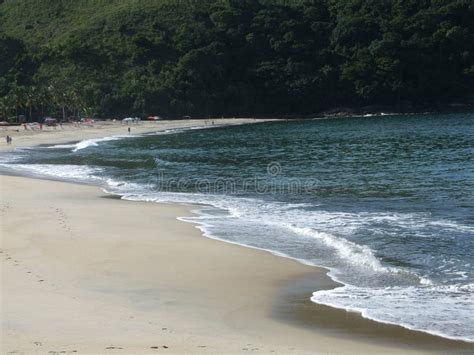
point(94, 142)
point(123, 187)
point(62, 146)
point(6, 159)
point(205, 229)
point(443, 310)
point(68, 172)
point(450, 225)
point(76, 173)
point(163, 162)
point(360, 255)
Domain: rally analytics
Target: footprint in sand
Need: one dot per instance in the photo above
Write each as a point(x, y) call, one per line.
point(63, 221)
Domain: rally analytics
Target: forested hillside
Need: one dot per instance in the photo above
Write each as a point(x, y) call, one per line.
point(230, 57)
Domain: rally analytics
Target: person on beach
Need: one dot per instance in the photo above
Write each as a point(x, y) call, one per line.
point(128, 130)
point(7, 138)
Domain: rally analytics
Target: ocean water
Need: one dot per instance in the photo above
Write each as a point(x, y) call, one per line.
point(385, 203)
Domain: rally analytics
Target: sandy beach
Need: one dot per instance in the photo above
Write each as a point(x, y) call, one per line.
point(86, 272)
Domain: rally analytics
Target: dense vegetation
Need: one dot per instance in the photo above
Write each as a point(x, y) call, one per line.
point(231, 57)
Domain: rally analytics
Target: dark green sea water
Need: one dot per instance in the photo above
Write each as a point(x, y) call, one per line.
point(386, 203)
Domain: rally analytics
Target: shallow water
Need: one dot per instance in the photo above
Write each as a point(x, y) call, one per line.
point(386, 203)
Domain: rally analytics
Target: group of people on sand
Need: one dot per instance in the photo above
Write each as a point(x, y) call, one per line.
point(9, 140)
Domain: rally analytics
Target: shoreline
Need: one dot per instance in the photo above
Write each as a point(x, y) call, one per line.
point(101, 129)
point(328, 283)
point(388, 337)
point(87, 267)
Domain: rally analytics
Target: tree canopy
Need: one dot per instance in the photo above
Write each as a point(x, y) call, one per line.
point(230, 57)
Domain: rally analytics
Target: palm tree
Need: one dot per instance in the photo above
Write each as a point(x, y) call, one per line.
point(60, 95)
point(4, 107)
point(10, 104)
point(30, 99)
point(17, 94)
point(43, 99)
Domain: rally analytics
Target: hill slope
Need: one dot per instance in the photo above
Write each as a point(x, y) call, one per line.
point(229, 57)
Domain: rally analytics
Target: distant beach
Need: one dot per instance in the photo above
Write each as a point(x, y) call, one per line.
point(69, 132)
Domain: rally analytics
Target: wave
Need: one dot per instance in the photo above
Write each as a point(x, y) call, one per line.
point(62, 146)
point(82, 173)
point(94, 142)
point(160, 162)
point(360, 255)
point(76, 173)
point(86, 143)
point(442, 310)
point(118, 187)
